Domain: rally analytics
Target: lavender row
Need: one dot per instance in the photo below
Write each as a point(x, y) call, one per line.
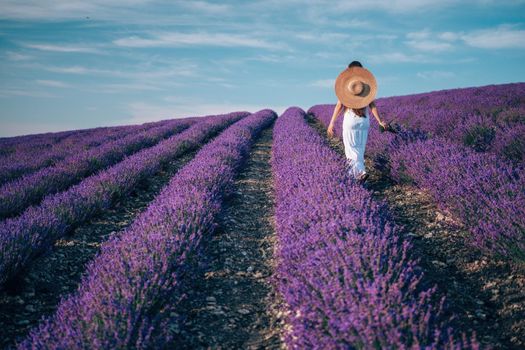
point(487, 119)
point(129, 296)
point(485, 192)
point(441, 112)
point(32, 233)
point(50, 138)
point(25, 160)
point(37, 142)
point(17, 195)
point(343, 270)
point(38, 139)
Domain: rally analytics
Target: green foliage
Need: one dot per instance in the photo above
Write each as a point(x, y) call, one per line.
point(479, 137)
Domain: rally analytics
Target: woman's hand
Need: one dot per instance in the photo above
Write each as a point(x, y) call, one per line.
point(330, 130)
point(383, 124)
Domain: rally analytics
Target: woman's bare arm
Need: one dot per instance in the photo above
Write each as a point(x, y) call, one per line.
point(335, 114)
point(375, 112)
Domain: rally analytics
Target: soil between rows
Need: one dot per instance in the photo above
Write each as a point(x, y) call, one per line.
point(486, 294)
point(235, 304)
point(58, 273)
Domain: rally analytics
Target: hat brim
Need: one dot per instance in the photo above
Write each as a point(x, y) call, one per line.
point(345, 95)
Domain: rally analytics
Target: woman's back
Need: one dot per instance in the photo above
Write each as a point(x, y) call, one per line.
point(360, 112)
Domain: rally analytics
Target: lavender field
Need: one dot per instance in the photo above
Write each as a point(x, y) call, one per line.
point(244, 230)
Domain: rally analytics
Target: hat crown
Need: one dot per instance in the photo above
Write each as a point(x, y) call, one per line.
point(356, 87)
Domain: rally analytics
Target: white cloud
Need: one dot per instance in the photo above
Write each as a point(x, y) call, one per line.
point(436, 74)
point(68, 70)
point(189, 12)
point(448, 36)
point(180, 70)
point(351, 23)
point(425, 40)
point(270, 58)
point(387, 79)
point(127, 12)
point(394, 6)
point(23, 92)
point(52, 83)
point(126, 88)
point(423, 34)
point(429, 45)
point(16, 56)
point(323, 37)
point(177, 39)
point(401, 6)
point(323, 83)
point(67, 9)
point(502, 37)
point(351, 7)
point(335, 56)
point(208, 7)
point(398, 57)
point(347, 40)
point(232, 64)
point(61, 48)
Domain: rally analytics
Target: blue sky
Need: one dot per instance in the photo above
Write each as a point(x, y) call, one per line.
point(70, 64)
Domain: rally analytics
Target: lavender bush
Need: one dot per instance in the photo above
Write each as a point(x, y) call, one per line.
point(129, 296)
point(32, 233)
point(25, 158)
point(509, 143)
point(484, 191)
point(441, 112)
point(17, 195)
point(10, 144)
point(343, 269)
point(48, 139)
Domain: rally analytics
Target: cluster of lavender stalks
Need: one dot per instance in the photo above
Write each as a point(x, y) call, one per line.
point(343, 269)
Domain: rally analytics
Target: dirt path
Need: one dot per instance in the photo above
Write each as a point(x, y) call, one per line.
point(233, 305)
point(486, 294)
point(58, 273)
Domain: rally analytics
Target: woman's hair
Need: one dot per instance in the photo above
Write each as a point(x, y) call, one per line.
point(358, 111)
point(355, 64)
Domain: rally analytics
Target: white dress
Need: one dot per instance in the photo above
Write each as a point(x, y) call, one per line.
point(355, 134)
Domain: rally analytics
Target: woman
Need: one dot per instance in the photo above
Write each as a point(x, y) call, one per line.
point(357, 88)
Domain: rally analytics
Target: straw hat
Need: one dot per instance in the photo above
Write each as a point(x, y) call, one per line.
point(355, 87)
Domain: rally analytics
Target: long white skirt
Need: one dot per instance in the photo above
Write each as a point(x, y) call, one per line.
point(355, 134)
